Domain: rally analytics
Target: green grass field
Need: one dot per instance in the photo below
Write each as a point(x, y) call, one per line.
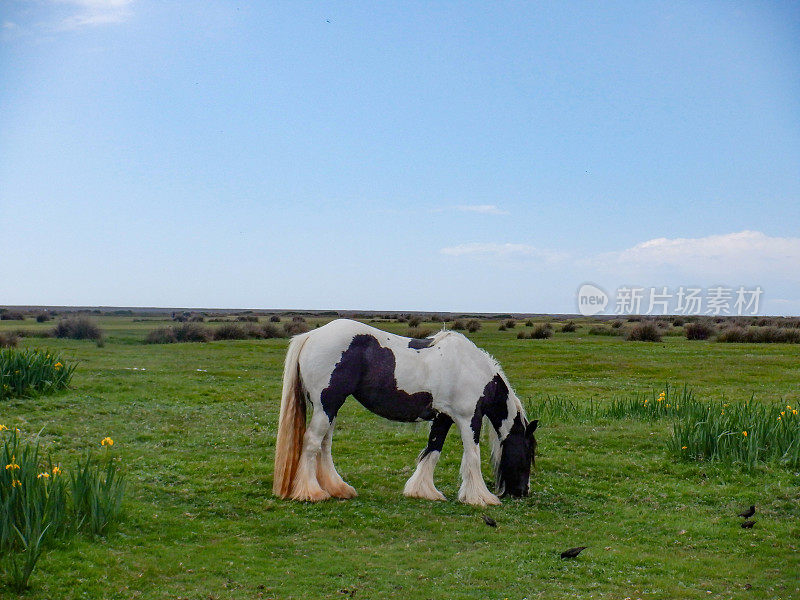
point(194, 425)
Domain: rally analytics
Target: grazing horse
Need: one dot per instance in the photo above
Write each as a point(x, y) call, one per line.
point(444, 379)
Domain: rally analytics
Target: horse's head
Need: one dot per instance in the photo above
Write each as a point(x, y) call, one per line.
point(518, 453)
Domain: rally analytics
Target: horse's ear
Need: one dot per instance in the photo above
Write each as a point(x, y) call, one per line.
point(531, 428)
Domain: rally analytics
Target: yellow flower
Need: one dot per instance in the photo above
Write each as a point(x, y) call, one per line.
point(107, 441)
point(794, 412)
point(58, 365)
point(56, 471)
point(783, 412)
point(667, 405)
point(3, 428)
point(12, 466)
point(744, 433)
point(683, 447)
point(45, 475)
point(779, 418)
point(16, 482)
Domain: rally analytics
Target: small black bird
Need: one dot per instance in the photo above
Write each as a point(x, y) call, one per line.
point(489, 521)
point(748, 524)
point(573, 552)
point(748, 513)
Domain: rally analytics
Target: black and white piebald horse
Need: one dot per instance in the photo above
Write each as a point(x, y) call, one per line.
point(445, 379)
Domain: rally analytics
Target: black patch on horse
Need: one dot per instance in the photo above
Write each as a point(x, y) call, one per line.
point(439, 428)
point(420, 344)
point(492, 404)
point(366, 371)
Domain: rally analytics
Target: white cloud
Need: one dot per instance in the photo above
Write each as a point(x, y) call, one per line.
point(484, 209)
point(743, 252)
point(504, 251)
point(9, 25)
point(96, 12)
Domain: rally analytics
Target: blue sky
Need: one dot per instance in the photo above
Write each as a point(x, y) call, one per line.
point(417, 156)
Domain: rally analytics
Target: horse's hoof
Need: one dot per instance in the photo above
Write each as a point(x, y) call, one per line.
point(484, 500)
point(426, 495)
point(313, 495)
point(344, 491)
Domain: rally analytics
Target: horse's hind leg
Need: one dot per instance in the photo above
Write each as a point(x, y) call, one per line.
point(421, 485)
point(306, 487)
point(473, 488)
point(327, 476)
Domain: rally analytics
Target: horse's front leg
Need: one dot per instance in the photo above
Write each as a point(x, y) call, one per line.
point(473, 488)
point(421, 485)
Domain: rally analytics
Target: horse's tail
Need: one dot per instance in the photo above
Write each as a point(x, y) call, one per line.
point(292, 420)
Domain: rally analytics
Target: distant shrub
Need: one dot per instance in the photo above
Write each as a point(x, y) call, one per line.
point(528, 323)
point(298, 319)
point(269, 331)
point(510, 324)
point(502, 327)
point(414, 321)
point(247, 319)
point(617, 324)
point(12, 315)
point(162, 335)
point(634, 319)
point(435, 318)
point(459, 325)
point(274, 319)
point(193, 332)
point(296, 327)
point(230, 331)
point(522, 335)
point(542, 331)
point(698, 331)
point(8, 340)
point(197, 319)
point(678, 321)
point(601, 330)
point(77, 328)
point(418, 332)
point(643, 332)
point(760, 335)
point(569, 327)
point(473, 325)
point(43, 317)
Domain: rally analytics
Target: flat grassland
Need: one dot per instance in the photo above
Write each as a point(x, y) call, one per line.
point(194, 425)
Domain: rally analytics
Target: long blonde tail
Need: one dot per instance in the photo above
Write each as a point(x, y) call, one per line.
point(292, 421)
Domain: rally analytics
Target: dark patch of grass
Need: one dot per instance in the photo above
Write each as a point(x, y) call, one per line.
point(12, 315)
point(643, 332)
point(601, 330)
point(296, 327)
point(8, 340)
point(193, 332)
point(759, 335)
point(542, 331)
point(77, 328)
point(698, 331)
point(230, 331)
point(418, 332)
point(162, 335)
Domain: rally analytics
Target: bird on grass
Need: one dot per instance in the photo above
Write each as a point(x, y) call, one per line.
point(749, 512)
point(489, 521)
point(573, 552)
point(748, 524)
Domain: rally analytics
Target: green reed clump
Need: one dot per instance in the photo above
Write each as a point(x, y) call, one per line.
point(38, 504)
point(30, 372)
point(745, 433)
point(658, 404)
